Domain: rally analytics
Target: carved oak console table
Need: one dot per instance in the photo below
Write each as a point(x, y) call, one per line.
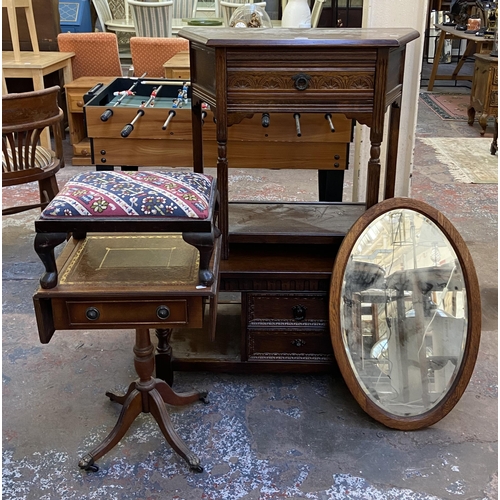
point(280, 256)
point(356, 72)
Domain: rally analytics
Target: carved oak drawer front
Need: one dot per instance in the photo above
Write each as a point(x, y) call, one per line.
point(113, 313)
point(287, 327)
point(297, 79)
point(302, 311)
point(289, 346)
point(313, 78)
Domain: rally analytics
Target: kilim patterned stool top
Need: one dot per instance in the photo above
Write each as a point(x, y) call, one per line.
point(131, 202)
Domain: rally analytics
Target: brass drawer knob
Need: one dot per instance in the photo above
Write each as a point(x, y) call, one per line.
point(299, 312)
point(163, 312)
point(92, 313)
point(298, 342)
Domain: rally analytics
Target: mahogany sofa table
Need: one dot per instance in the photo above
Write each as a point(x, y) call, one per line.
point(132, 281)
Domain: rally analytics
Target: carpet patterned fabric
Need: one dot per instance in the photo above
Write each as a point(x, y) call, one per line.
point(447, 106)
point(124, 194)
point(469, 159)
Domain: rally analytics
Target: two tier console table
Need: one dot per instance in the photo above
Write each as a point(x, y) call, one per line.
point(280, 256)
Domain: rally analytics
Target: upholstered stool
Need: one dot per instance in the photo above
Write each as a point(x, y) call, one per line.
point(131, 202)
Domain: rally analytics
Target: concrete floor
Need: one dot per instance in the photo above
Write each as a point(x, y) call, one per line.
point(262, 437)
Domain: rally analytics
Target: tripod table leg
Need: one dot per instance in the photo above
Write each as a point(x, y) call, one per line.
point(121, 399)
point(178, 398)
point(131, 409)
point(160, 414)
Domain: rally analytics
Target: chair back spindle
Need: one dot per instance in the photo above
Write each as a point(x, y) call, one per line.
point(24, 117)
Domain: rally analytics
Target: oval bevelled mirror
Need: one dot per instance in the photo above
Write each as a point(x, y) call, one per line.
point(405, 313)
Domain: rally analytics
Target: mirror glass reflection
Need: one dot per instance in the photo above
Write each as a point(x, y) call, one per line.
point(404, 312)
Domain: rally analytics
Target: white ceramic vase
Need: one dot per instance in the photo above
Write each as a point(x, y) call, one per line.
point(296, 14)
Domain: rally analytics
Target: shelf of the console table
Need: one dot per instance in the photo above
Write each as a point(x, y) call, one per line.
point(278, 261)
point(293, 222)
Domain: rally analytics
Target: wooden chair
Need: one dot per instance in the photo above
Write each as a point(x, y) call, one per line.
point(24, 117)
point(316, 12)
point(227, 9)
point(85, 47)
point(11, 6)
point(149, 54)
point(152, 19)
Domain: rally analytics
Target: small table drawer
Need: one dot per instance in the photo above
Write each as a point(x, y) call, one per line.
point(77, 313)
point(283, 77)
point(75, 101)
point(301, 311)
point(289, 346)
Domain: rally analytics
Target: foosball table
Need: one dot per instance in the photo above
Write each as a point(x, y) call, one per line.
point(263, 140)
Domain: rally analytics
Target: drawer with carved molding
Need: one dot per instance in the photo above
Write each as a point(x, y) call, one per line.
point(282, 76)
point(287, 326)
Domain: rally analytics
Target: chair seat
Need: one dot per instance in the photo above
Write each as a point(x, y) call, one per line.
point(44, 158)
point(113, 194)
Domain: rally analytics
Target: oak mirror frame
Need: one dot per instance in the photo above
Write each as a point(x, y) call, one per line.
point(405, 313)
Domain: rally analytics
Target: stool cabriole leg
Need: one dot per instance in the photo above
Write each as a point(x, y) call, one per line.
point(204, 243)
point(44, 247)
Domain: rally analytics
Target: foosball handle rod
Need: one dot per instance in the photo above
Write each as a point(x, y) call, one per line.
point(127, 130)
point(171, 114)
point(109, 112)
point(297, 124)
point(106, 115)
point(328, 116)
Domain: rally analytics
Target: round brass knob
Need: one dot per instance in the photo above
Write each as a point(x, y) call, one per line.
point(92, 313)
point(163, 312)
